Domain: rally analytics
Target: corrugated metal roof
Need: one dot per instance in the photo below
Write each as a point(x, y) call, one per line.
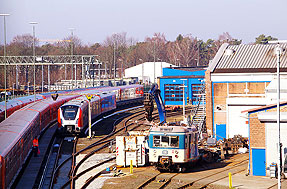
point(256, 56)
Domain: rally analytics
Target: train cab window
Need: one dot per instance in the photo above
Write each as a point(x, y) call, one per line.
point(174, 141)
point(156, 140)
point(165, 141)
point(69, 112)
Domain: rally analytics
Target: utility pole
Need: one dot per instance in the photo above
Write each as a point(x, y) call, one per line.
point(198, 47)
point(34, 58)
point(278, 52)
point(89, 97)
point(42, 77)
point(154, 61)
point(5, 79)
point(72, 74)
point(114, 63)
point(183, 102)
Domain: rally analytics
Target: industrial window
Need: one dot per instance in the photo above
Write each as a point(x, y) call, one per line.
point(173, 92)
point(196, 89)
point(165, 141)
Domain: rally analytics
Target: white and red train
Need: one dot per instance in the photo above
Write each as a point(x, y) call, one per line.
point(18, 131)
point(17, 103)
point(73, 115)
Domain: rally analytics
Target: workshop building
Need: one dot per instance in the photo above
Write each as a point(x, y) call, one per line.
point(237, 79)
point(263, 138)
point(178, 79)
point(147, 72)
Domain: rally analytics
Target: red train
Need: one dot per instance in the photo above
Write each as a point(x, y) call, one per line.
point(18, 131)
point(17, 103)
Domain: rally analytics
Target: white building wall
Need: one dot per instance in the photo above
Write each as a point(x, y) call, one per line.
point(271, 131)
point(271, 90)
point(236, 121)
point(146, 71)
point(241, 77)
point(236, 103)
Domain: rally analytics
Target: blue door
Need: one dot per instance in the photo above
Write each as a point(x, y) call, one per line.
point(220, 131)
point(258, 162)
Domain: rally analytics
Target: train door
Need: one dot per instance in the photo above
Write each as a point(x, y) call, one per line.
point(120, 95)
point(187, 146)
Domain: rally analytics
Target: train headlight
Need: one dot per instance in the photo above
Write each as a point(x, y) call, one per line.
point(176, 152)
point(176, 156)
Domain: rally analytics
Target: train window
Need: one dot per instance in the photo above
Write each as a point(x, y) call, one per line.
point(165, 141)
point(156, 140)
point(174, 141)
point(69, 112)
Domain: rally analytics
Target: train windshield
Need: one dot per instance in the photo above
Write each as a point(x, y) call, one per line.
point(165, 141)
point(69, 112)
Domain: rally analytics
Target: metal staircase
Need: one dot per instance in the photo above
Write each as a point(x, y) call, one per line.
point(199, 116)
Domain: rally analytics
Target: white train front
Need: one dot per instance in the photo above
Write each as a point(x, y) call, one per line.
point(73, 115)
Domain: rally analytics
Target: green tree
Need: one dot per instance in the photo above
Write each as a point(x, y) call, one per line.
point(179, 37)
point(262, 39)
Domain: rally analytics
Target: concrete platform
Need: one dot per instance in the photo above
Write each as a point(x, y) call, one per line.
point(29, 177)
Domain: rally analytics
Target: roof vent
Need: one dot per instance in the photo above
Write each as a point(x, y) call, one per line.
point(229, 52)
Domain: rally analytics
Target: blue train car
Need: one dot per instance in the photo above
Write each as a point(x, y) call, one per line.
point(173, 148)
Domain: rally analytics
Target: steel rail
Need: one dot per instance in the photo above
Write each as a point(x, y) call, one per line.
point(48, 159)
point(74, 159)
point(77, 153)
point(210, 175)
point(56, 162)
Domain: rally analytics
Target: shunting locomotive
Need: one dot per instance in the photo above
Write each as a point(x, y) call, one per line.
point(173, 148)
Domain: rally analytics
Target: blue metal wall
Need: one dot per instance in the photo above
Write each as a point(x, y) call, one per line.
point(189, 82)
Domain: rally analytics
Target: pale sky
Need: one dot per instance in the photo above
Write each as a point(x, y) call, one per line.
point(94, 20)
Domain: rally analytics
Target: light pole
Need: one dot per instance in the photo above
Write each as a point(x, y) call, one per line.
point(278, 52)
point(154, 61)
point(114, 63)
point(142, 70)
point(34, 58)
point(72, 35)
point(198, 52)
point(5, 82)
point(183, 102)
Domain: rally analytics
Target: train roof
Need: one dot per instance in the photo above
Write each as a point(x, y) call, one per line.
point(171, 129)
point(83, 99)
point(13, 127)
point(18, 101)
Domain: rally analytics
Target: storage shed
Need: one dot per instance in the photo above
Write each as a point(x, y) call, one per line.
point(263, 137)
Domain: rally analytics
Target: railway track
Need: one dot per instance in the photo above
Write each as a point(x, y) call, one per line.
point(104, 142)
point(52, 161)
point(117, 130)
point(160, 180)
point(207, 180)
